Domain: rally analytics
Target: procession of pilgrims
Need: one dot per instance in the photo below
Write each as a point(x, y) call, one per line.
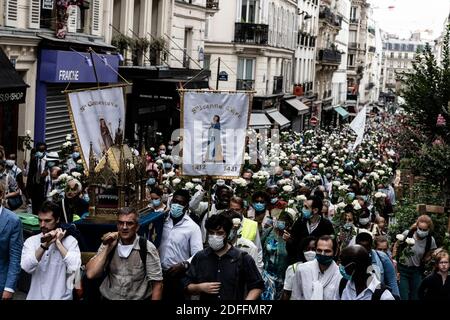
point(308, 220)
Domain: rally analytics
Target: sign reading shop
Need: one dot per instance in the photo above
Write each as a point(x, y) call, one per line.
point(59, 66)
point(12, 95)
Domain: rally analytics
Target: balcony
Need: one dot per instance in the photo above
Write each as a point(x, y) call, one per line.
point(329, 56)
point(326, 14)
point(354, 21)
point(244, 84)
point(251, 33)
point(371, 30)
point(212, 4)
point(277, 84)
point(352, 45)
point(371, 49)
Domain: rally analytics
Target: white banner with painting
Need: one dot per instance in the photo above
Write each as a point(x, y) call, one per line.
point(97, 116)
point(214, 131)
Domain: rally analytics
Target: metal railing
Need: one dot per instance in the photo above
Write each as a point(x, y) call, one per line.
point(329, 56)
point(245, 84)
point(326, 14)
point(251, 33)
point(212, 4)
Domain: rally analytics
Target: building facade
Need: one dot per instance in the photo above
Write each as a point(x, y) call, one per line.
point(328, 60)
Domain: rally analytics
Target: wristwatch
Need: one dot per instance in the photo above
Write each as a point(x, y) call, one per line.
point(44, 247)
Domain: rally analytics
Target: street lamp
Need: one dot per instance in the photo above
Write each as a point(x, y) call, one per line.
point(301, 12)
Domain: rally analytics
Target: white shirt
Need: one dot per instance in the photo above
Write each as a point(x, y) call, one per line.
point(49, 277)
point(179, 242)
point(249, 247)
point(349, 292)
point(289, 277)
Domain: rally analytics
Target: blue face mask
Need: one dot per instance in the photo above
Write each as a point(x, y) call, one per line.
point(50, 164)
point(156, 202)
point(86, 197)
point(151, 181)
point(167, 166)
point(39, 154)
point(281, 225)
point(306, 213)
point(286, 173)
point(348, 225)
point(324, 260)
point(274, 200)
point(176, 210)
point(314, 171)
point(351, 196)
point(344, 273)
point(259, 206)
point(75, 155)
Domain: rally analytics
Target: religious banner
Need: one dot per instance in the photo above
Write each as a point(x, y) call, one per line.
point(97, 116)
point(214, 129)
point(358, 125)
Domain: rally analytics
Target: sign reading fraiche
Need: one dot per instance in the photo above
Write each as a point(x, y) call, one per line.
point(67, 66)
point(215, 127)
point(98, 114)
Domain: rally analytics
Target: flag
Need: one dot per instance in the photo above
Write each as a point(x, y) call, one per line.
point(358, 125)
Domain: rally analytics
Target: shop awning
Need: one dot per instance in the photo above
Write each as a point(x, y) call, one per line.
point(344, 114)
point(298, 105)
point(259, 121)
point(281, 120)
point(12, 87)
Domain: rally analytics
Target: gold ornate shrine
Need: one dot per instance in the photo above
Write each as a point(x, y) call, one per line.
point(116, 181)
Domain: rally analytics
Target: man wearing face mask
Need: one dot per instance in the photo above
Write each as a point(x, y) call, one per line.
point(71, 163)
point(36, 177)
point(152, 180)
point(221, 272)
point(238, 241)
point(181, 239)
point(310, 224)
point(318, 279)
point(357, 283)
point(258, 210)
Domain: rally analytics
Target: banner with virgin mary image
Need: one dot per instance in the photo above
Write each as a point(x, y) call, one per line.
point(214, 129)
point(97, 115)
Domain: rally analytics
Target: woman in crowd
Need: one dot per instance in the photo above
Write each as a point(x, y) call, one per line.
point(437, 285)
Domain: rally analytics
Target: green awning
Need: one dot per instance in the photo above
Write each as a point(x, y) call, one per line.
point(342, 112)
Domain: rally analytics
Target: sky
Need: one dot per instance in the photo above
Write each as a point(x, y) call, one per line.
point(410, 15)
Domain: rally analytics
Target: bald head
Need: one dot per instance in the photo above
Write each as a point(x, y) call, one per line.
point(355, 259)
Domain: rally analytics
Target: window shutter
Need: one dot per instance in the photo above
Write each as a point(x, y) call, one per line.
point(11, 13)
point(96, 19)
point(72, 14)
point(34, 14)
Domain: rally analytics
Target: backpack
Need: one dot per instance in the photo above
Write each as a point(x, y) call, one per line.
point(91, 287)
point(376, 295)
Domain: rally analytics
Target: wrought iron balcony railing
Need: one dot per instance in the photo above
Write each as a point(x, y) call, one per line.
point(251, 33)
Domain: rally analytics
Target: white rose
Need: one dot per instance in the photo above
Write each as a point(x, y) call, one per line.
point(410, 241)
point(381, 172)
point(159, 162)
point(379, 195)
point(400, 237)
point(63, 176)
point(76, 174)
point(53, 193)
point(171, 174)
point(321, 166)
point(336, 183)
point(165, 176)
point(287, 189)
point(68, 137)
point(300, 198)
point(356, 205)
point(335, 168)
point(341, 205)
point(189, 185)
point(152, 149)
point(341, 170)
point(272, 164)
point(363, 181)
point(291, 212)
point(176, 181)
point(198, 187)
point(130, 166)
point(291, 202)
point(197, 180)
point(28, 132)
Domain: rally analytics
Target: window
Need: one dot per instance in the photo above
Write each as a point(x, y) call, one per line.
point(399, 55)
point(245, 68)
point(353, 13)
point(249, 11)
point(392, 55)
point(207, 27)
point(406, 55)
point(187, 47)
point(397, 47)
point(351, 60)
point(352, 36)
point(207, 62)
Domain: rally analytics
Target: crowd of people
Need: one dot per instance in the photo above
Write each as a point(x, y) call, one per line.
point(307, 221)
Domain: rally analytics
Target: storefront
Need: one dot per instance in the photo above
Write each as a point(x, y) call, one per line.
point(12, 94)
point(154, 101)
point(297, 111)
point(58, 71)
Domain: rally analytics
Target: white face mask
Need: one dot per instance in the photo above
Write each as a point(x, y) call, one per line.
point(124, 251)
point(309, 255)
point(216, 242)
